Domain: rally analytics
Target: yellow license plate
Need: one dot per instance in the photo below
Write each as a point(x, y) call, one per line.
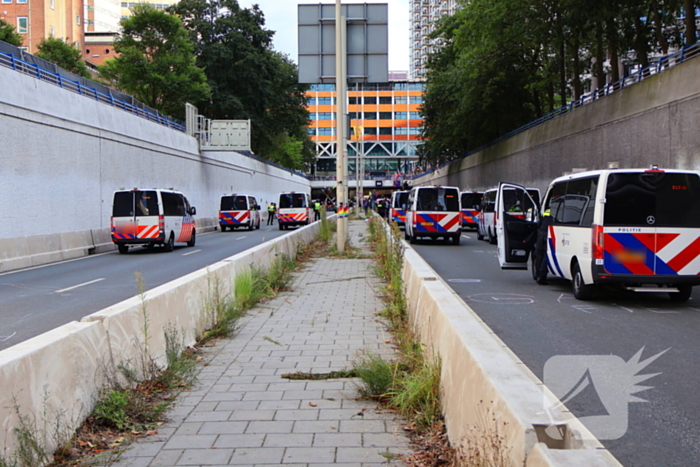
point(630, 257)
point(426, 223)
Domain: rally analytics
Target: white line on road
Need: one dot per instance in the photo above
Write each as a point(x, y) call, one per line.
point(6, 338)
point(79, 285)
point(191, 252)
point(241, 238)
point(466, 236)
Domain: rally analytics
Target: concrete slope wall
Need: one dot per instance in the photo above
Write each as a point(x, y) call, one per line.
point(64, 154)
point(56, 377)
point(652, 122)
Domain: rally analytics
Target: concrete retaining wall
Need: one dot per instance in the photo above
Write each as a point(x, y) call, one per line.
point(652, 122)
point(63, 155)
point(58, 375)
point(489, 397)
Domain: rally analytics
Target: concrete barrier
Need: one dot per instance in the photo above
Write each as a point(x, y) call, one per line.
point(59, 374)
point(489, 397)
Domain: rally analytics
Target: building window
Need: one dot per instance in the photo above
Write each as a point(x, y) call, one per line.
point(326, 101)
point(401, 115)
point(22, 24)
point(52, 4)
point(310, 101)
point(311, 131)
point(21, 1)
point(353, 100)
point(385, 115)
point(325, 116)
point(370, 115)
point(400, 100)
point(416, 99)
point(52, 32)
point(326, 131)
point(402, 130)
point(370, 100)
point(385, 100)
point(414, 131)
point(370, 131)
point(323, 87)
point(414, 115)
point(385, 131)
point(6, 1)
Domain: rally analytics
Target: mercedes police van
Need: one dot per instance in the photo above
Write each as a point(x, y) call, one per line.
point(633, 228)
point(151, 217)
point(471, 206)
point(294, 209)
point(488, 216)
point(399, 201)
point(239, 210)
point(433, 212)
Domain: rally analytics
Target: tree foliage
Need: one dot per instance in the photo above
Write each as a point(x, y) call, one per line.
point(503, 63)
point(156, 62)
point(67, 56)
point(8, 34)
point(249, 80)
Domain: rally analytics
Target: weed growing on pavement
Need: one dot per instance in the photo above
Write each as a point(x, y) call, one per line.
point(220, 310)
point(279, 276)
point(251, 286)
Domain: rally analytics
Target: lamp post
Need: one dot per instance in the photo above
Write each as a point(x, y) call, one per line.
point(341, 150)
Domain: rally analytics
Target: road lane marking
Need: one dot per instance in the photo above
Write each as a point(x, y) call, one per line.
point(6, 338)
point(466, 236)
point(79, 285)
point(191, 252)
point(241, 238)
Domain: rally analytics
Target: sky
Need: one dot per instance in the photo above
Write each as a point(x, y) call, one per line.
point(281, 17)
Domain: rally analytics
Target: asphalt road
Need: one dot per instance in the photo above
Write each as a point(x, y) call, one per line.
point(540, 322)
point(36, 300)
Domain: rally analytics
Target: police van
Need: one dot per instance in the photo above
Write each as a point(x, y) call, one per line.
point(488, 216)
point(633, 228)
point(239, 210)
point(471, 206)
point(399, 201)
point(293, 209)
point(433, 212)
point(151, 217)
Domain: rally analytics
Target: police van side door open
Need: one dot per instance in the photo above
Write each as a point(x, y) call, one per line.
point(516, 225)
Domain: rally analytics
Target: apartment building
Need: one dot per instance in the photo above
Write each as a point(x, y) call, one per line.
point(385, 126)
point(36, 20)
point(423, 18)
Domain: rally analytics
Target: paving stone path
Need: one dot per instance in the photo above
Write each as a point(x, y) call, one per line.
point(243, 413)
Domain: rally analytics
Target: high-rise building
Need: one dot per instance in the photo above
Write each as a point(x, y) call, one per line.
point(385, 126)
point(423, 18)
point(158, 4)
point(36, 20)
point(102, 15)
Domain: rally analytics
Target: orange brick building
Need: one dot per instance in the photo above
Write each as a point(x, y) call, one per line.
point(35, 20)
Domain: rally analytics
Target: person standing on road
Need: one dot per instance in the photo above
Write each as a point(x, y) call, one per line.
point(317, 210)
point(541, 248)
point(271, 214)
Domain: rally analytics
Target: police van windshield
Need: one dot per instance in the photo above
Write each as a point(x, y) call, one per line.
point(233, 203)
point(292, 200)
point(400, 200)
point(652, 199)
point(437, 199)
point(135, 203)
point(471, 200)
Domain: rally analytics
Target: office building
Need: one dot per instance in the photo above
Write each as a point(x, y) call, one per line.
point(423, 19)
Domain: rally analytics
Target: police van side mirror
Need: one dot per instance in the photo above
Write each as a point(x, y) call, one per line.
point(193, 211)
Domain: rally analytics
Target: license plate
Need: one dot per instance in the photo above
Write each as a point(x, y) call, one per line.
point(630, 257)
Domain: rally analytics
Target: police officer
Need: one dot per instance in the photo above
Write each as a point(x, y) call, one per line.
point(317, 210)
point(540, 272)
point(271, 214)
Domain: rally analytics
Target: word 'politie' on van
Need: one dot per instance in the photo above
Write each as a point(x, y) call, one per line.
point(433, 212)
point(634, 228)
point(151, 217)
point(293, 209)
point(239, 210)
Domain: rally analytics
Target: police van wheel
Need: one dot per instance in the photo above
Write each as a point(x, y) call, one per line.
point(683, 294)
point(456, 239)
point(170, 244)
point(579, 287)
point(492, 239)
point(413, 239)
point(405, 235)
point(281, 226)
point(123, 249)
point(193, 239)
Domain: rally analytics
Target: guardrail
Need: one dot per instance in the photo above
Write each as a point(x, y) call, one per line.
point(662, 64)
point(10, 61)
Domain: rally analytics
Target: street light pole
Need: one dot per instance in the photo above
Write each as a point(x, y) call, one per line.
point(341, 151)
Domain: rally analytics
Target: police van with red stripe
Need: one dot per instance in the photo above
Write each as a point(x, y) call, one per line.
point(433, 212)
point(151, 217)
point(293, 209)
point(633, 228)
point(239, 210)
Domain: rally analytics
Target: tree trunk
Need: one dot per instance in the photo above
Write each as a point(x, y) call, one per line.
point(600, 55)
point(658, 28)
point(612, 50)
point(641, 42)
point(690, 32)
point(578, 91)
point(562, 72)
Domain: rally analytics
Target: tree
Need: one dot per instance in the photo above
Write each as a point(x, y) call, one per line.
point(67, 56)
point(249, 80)
point(8, 34)
point(156, 62)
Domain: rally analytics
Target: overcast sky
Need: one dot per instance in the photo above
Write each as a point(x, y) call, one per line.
point(281, 17)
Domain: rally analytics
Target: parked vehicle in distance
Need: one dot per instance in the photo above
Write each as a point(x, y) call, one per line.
point(239, 210)
point(399, 202)
point(489, 215)
point(637, 229)
point(471, 206)
point(293, 209)
point(151, 217)
point(433, 212)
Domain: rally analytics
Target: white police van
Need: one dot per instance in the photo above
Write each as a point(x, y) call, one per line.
point(239, 210)
point(293, 209)
point(634, 228)
point(433, 212)
point(151, 217)
point(487, 218)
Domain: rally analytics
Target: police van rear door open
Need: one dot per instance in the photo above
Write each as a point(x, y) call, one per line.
point(516, 225)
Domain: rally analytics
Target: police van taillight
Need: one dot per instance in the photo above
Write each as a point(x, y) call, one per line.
point(598, 250)
point(111, 224)
point(161, 224)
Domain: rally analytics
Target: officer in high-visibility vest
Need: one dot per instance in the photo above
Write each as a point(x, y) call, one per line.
point(271, 214)
point(540, 252)
point(317, 210)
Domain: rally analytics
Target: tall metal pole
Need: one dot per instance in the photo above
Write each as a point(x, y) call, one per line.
point(341, 151)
